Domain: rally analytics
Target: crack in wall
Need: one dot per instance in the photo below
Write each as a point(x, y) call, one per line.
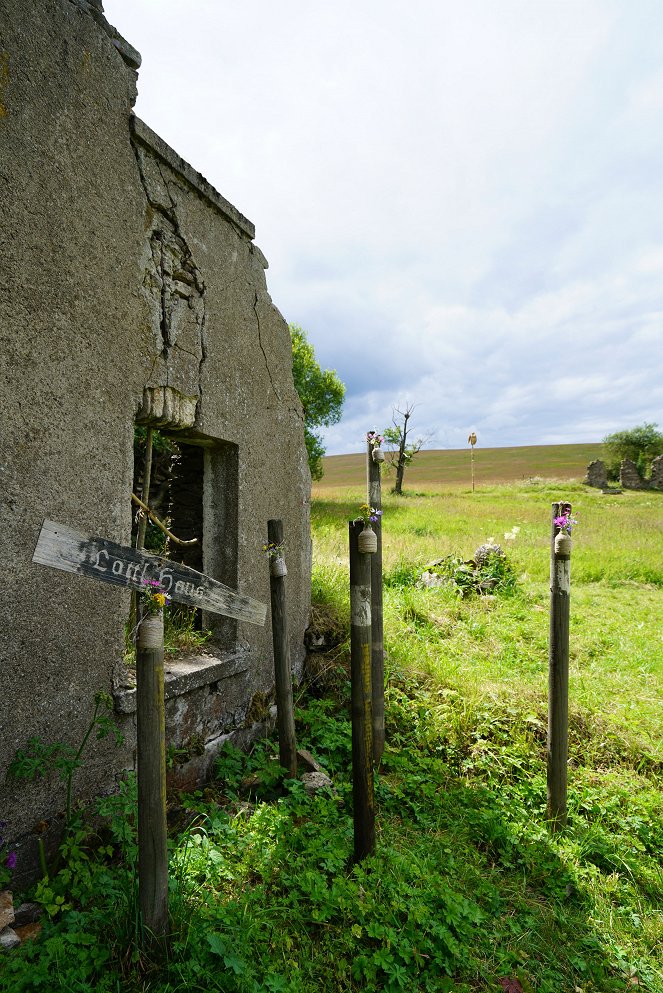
point(262, 347)
point(173, 282)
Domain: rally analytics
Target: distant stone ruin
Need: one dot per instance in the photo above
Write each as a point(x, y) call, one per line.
point(656, 480)
point(630, 477)
point(597, 475)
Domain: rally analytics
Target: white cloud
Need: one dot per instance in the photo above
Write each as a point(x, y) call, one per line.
point(468, 193)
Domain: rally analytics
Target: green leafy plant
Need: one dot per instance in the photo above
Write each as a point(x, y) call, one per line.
point(40, 758)
point(489, 572)
point(8, 859)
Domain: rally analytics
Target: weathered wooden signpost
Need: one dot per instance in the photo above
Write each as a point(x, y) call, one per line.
point(60, 547)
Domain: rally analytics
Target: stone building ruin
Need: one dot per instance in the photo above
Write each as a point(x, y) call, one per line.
point(133, 294)
point(630, 477)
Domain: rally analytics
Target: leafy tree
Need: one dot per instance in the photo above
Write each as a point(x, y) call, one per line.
point(403, 451)
point(640, 444)
point(321, 393)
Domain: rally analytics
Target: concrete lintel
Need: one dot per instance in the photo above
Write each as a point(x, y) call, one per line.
point(147, 137)
point(187, 674)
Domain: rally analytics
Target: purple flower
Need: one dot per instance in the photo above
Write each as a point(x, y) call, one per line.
point(566, 522)
point(10, 861)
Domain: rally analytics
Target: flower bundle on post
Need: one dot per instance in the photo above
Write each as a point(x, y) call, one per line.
point(368, 540)
point(274, 551)
point(375, 441)
point(565, 522)
point(153, 597)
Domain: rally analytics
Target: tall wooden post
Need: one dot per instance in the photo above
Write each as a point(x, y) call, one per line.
point(472, 440)
point(285, 714)
point(142, 522)
point(374, 486)
point(152, 840)
point(558, 673)
point(362, 718)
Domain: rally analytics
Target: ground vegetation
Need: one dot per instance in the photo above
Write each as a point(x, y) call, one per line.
point(468, 891)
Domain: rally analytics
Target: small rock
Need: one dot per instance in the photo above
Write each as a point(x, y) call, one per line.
point(9, 939)
point(430, 579)
point(306, 761)
point(313, 640)
point(316, 781)
point(27, 913)
point(27, 932)
point(6, 908)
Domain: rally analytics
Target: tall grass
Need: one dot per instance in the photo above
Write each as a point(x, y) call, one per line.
point(498, 645)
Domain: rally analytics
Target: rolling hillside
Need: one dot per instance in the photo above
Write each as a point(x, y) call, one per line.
point(452, 468)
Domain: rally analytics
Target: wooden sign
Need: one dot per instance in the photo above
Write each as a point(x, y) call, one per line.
point(60, 547)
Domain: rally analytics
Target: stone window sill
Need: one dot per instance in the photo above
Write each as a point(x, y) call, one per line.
point(186, 674)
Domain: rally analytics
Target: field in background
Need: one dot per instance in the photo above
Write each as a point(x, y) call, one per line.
point(488, 645)
point(452, 468)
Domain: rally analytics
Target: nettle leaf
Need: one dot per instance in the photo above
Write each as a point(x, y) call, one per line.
point(217, 944)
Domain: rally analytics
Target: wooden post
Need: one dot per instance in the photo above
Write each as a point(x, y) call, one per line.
point(373, 479)
point(282, 669)
point(472, 440)
point(142, 522)
point(362, 718)
point(558, 675)
point(152, 841)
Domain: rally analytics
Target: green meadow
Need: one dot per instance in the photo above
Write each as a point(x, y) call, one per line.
point(432, 469)
point(469, 891)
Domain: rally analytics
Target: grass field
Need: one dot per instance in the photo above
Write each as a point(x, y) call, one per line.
point(467, 687)
point(468, 890)
point(452, 468)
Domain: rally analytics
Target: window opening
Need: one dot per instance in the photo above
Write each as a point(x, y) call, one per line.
point(193, 490)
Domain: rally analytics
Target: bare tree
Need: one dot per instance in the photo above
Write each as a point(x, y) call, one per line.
point(403, 451)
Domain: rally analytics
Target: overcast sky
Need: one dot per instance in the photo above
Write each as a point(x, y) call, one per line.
point(461, 201)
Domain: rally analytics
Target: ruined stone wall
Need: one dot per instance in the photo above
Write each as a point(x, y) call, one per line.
point(131, 291)
point(629, 475)
point(597, 475)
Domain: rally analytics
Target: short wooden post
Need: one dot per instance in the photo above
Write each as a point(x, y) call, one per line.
point(282, 668)
point(362, 718)
point(152, 840)
point(558, 675)
point(374, 485)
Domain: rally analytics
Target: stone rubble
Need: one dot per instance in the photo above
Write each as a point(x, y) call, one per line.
point(17, 926)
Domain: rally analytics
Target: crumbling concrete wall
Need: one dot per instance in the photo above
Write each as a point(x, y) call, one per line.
point(132, 292)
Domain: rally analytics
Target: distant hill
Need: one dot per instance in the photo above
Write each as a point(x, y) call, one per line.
point(452, 468)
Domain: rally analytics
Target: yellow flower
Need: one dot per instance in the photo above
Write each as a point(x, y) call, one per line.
point(160, 599)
